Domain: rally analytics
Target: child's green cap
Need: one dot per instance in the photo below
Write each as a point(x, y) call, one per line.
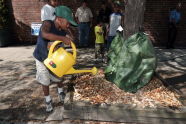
point(65, 12)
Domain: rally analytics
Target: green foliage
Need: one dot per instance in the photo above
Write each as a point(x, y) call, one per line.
point(3, 14)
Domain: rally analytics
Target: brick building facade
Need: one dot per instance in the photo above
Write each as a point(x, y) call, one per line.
point(156, 21)
point(24, 12)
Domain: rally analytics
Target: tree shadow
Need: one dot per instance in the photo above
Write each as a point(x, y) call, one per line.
point(173, 68)
point(164, 55)
point(86, 59)
point(17, 88)
point(179, 83)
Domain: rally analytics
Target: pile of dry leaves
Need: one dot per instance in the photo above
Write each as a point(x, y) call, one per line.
point(97, 90)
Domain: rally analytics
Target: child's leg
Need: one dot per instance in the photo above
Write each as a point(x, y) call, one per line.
point(109, 41)
point(99, 49)
point(45, 90)
point(43, 77)
point(60, 89)
point(48, 99)
point(96, 50)
point(61, 92)
point(102, 50)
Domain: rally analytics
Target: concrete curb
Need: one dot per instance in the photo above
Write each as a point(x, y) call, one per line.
point(122, 113)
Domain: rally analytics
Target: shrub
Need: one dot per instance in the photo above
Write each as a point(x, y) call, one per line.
point(3, 14)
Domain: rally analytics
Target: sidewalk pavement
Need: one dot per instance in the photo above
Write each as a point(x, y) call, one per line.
point(171, 67)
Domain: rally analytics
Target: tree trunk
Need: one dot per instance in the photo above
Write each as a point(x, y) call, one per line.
point(134, 17)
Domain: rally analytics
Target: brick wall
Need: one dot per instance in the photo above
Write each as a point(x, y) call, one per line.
point(156, 17)
point(156, 21)
point(24, 12)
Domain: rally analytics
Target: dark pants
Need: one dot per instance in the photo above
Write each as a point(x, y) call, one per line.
point(172, 33)
point(84, 30)
point(109, 41)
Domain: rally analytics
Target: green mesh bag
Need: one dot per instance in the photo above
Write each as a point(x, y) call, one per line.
point(132, 62)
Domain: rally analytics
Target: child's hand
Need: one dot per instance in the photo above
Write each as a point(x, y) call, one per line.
point(66, 40)
point(100, 33)
point(49, 45)
point(70, 37)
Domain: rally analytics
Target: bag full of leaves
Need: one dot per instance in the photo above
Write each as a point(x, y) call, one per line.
point(132, 62)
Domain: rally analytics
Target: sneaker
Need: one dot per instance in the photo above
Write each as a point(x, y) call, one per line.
point(62, 97)
point(49, 106)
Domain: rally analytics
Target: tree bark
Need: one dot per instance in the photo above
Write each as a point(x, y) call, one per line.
point(134, 17)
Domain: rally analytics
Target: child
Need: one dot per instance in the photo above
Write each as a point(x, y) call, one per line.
point(99, 43)
point(48, 10)
point(51, 31)
point(115, 22)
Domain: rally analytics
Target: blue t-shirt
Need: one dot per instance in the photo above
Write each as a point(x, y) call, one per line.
point(41, 50)
point(174, 15)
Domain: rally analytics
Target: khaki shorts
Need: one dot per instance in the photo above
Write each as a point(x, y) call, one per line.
point(43, 76)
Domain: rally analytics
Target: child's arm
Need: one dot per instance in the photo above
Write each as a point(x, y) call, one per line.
point(50, 36)
point(100, 32)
